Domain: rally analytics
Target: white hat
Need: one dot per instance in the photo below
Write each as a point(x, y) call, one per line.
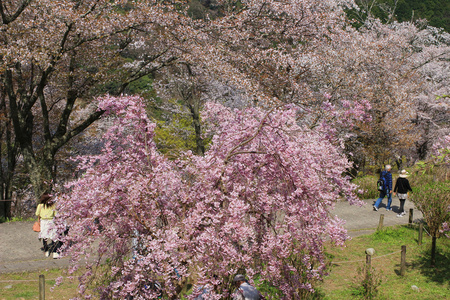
point(403, 174)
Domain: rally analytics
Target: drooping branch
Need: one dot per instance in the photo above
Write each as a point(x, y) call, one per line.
point(62, 140)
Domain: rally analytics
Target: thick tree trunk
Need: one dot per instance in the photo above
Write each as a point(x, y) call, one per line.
point(8, 147)
point(40, 171)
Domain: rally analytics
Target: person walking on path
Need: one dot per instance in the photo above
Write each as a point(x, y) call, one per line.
point(244, 290)
point(386, 176)
point(402, 188)
point(46, 211)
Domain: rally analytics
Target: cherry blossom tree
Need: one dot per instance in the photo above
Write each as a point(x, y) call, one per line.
point(57, 55)
point(257, 202)
point(433, 198)
point(433, 107)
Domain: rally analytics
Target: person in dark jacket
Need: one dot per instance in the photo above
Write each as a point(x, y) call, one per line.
point(387, 189)
point(402, 188)
point(244, 290)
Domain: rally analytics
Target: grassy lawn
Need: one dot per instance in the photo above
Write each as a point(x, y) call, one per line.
point(342, 282)
point(26, 286)
point(344, 279)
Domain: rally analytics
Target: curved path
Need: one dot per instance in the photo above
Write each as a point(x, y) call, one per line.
point(20, 247)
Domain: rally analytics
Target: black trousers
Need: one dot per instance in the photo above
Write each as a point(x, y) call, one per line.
point(52, 247)
point(402, 205)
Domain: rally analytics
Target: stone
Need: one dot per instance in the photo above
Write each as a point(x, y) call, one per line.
point(370, 251)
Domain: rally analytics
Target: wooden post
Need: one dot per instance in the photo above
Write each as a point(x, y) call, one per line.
point(380, 224)
point(411, 213)
point(41, 287)
point(368, 265)
point(420, 233)
point(403, 261)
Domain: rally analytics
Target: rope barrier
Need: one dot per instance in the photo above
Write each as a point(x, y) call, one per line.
point(426, 231)
point(363, 260)
point(26, 280)
point(373, 257)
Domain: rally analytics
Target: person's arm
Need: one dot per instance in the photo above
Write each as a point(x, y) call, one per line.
point(54, 210)
point(390, 182)
point(38, 210)
point(408, 187)
point(396, 186)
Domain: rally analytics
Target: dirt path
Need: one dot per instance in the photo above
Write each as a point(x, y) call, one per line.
point(364, 220)
point(20, 247)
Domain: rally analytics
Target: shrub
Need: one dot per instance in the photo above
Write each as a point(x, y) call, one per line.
point(369, 186)
point(433, 200)
point(367, 282)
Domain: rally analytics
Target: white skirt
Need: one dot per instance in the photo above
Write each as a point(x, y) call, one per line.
point(48, 230)
point(402, 196)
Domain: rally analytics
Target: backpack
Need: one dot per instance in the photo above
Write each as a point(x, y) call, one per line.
point(380, 183)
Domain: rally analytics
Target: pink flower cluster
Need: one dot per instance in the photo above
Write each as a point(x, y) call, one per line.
point(257, 202)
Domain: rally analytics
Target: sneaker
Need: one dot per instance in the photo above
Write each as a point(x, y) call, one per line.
point(375, 208)
point(399, 216)
point(55, 255)
point(388, 209)
point(47, 254)
point(403, 213)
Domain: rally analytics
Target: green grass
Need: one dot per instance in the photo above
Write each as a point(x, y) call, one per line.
point(25, 285)
point(16, 219)
point(433, 282)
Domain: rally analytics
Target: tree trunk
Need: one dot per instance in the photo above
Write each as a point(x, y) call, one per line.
point(195, 113)
point(433, 251)
point(40, 171)
point(8, 147)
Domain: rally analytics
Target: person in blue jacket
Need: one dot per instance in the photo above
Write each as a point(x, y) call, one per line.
point(386, 176)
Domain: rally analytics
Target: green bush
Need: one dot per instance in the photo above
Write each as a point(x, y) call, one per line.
point(433, 200)
point(367, 282)
point(369, 186)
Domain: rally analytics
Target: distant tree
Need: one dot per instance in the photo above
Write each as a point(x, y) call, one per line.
point(56, 55)
point(434, 11)
point(433, 110)
point(433, 199)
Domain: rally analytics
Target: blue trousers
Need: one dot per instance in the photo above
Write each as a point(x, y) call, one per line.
point(382, 195)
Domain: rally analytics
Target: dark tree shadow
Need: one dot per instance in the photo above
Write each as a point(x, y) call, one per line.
point(439, 273)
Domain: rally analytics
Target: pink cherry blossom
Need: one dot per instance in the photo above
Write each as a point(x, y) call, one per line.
point(258, 201)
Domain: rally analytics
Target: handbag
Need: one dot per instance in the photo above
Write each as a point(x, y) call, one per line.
point(37, 226)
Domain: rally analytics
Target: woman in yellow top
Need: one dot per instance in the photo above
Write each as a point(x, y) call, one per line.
point(46, 211)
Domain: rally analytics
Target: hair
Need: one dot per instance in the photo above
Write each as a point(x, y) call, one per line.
point(45, 198)
point(388, 167)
